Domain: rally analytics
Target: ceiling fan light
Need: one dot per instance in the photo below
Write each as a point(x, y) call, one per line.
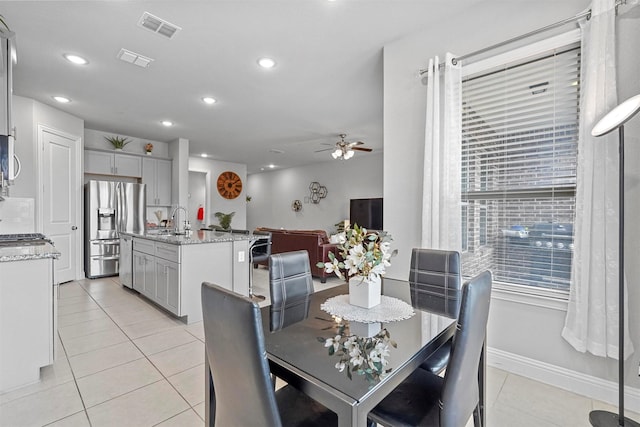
point(349, 154)
point(335, 154)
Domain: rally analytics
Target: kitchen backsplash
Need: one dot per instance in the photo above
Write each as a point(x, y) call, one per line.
point(17, 215)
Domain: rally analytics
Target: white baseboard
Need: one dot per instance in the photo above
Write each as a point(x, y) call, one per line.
point(575, 382)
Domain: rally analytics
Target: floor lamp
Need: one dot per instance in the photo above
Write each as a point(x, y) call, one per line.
point(615, 119)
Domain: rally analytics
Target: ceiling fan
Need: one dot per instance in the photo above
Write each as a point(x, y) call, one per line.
point(345, 150)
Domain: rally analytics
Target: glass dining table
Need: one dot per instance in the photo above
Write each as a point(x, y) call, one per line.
point(295, 347)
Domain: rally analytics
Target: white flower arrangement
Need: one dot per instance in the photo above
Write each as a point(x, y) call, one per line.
point(364, 356)
point(364, 253)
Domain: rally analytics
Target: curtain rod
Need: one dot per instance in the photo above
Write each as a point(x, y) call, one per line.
point(584, 14)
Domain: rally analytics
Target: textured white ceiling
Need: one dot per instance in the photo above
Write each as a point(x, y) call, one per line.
point(328, 78)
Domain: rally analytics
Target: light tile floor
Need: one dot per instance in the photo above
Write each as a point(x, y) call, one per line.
point(123, 362)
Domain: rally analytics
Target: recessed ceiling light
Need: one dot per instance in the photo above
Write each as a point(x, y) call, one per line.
point(75, 59)
point(209, 100)
point(204, 155)
point(62, 99)
point(271, 166)
point(167, 123)
point(266, 63)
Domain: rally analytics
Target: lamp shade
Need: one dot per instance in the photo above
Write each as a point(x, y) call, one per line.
point(616, 117)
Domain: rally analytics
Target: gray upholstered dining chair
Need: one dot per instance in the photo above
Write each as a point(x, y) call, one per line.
point(426, 399)
point(288, 314)
point(435, 281)
point(289, 278)
point(242, 392)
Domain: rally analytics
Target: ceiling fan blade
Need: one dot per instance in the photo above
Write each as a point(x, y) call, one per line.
point(353, 144)
point(325, 149)
point(368, 150)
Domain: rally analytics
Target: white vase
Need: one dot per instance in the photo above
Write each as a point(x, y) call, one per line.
point(365, 292)
point(148, 153)
point(364, 330)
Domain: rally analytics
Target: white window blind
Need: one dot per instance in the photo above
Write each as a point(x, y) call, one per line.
point(519, 148)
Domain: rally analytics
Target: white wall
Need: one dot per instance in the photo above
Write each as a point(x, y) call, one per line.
point(27, 115)
point(25, 145)
point(273, 192)
point(516, 328)
point(217, 203)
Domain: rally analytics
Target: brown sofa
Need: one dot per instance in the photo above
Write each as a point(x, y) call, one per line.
point(316, 242)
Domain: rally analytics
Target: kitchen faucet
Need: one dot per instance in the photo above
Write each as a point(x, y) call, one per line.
point(176, 224)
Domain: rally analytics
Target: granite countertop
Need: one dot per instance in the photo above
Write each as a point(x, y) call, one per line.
point(25, 253)
point(194, 237)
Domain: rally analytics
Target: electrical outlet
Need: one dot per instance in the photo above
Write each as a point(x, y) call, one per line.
point(240, 256)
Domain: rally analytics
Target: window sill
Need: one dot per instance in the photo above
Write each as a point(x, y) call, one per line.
point(538, 297)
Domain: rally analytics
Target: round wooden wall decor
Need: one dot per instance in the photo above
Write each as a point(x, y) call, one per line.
point(229, 185)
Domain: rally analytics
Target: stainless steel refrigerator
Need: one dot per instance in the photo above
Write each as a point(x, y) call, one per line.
point(110, 207)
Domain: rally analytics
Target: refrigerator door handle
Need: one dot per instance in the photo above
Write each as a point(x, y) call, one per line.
point(105, 258)
point(118, 200)
point(105, 242)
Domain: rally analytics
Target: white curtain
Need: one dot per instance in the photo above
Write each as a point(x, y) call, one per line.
point(441, 208)
point(591, 323)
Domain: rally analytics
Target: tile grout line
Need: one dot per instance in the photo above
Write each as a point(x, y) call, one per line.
point(75, 382)
point(165, 378)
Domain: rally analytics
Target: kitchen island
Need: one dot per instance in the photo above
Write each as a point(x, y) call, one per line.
point(169, 269)
point(27, 312)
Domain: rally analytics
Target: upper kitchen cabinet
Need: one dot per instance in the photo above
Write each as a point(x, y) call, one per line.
point(109, 163)
point(156, 173)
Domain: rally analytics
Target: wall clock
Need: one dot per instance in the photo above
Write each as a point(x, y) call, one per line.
point(229, 185)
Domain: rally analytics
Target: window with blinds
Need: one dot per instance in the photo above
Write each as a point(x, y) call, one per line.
point(519, 149)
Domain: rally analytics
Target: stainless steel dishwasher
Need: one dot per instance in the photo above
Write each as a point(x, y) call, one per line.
point(126, 261)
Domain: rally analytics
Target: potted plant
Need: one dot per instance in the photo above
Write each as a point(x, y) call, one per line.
point(118, 142)
point(366, 255)
point(224, 219)
point(148, 148)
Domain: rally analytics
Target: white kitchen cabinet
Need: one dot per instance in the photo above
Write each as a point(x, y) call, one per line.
point(156, 173)
point(156, 273)
point(144, 274)
point(180, 269)
point(168, 284)
point(27, 321)
point(144, 270)
point(167, 265)
point(108, 163)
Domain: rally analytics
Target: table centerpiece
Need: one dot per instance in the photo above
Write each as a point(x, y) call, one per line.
point(365, 256)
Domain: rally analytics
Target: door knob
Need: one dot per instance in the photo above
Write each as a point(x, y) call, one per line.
point(73, 227)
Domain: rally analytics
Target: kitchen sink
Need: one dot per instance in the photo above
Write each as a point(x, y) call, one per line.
point(160, 232)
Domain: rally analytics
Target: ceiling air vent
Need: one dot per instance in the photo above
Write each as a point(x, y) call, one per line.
point(158, 25)
point(134, 58)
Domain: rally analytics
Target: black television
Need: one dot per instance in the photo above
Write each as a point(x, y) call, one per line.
point(366, 213)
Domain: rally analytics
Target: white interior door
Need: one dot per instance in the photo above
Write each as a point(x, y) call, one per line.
point(61, 199)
